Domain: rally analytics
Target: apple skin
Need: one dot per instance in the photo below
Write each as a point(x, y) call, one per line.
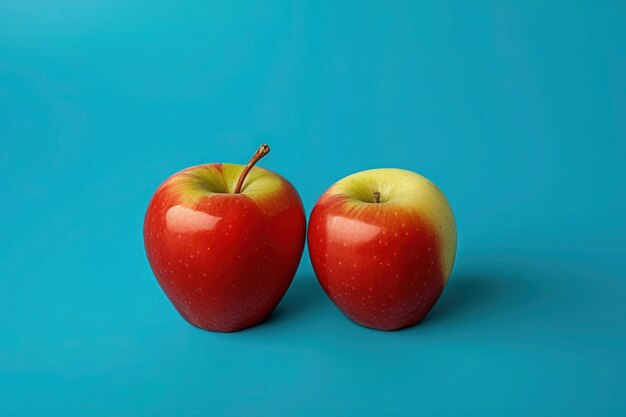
point(385, 264)
point(224, 260)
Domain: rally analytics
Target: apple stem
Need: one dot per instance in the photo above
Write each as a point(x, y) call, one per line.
point(376, 196)
point(260, 153)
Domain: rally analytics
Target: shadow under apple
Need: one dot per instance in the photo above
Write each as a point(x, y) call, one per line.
point(481, 295)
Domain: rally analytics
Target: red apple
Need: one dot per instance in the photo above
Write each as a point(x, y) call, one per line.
point(224, 242)
point(382, 243)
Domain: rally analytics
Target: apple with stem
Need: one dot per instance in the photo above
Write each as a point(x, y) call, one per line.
point(382, 243)
point(224, 242)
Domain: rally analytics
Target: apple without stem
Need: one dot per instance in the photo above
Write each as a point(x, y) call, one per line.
point(224, 242)
point(382, 243)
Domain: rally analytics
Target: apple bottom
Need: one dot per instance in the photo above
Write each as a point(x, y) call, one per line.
point(235, 294)
point(386, 312)
point(226, 326)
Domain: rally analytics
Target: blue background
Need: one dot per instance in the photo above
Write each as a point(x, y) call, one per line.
point(517, 111)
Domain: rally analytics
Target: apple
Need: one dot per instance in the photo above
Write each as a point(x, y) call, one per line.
point(224, 242)
point(382, 243)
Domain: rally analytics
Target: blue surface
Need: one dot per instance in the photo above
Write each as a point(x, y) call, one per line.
point(517, 111)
